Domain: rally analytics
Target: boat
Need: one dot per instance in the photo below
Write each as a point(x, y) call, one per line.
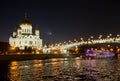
point(104, 54)
point(90, 53)
point(99, 53)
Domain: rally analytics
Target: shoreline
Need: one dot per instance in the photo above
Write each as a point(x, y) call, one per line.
point(36, 56)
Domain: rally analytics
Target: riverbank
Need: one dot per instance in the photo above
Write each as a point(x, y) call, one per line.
point(36, 56)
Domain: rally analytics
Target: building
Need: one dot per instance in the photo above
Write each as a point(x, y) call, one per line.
point(24, 38)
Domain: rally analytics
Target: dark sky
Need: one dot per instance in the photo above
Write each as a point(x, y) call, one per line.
point(59, 20)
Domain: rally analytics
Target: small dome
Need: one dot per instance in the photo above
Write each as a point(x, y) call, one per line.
point(19, 28)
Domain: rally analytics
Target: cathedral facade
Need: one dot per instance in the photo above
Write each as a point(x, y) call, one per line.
point(23, 37)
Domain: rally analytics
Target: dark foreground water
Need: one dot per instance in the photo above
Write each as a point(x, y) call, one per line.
point(65, 69)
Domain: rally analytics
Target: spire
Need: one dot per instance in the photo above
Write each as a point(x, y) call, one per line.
point(25, 20)
point(26, 16)
point(37, 27)
point(37, 31)
point(15, 29)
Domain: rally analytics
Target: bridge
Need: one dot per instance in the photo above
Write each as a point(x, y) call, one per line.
point(63, 47)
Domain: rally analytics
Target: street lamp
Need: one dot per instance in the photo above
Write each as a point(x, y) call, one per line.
point(91, 37)
point(118, 35)
point(69, 41)
point(64, 42)
point(110, 35)
point(81, 39)
point(75, 40)
point(100, 36)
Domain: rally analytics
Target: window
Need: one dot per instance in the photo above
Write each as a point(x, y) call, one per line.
point(30, 36)
point(20, 42)
point(14, 43)
point(30, 42)
point(25, 42)
point(19, 32)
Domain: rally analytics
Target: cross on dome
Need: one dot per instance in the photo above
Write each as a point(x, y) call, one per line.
point(25, 21)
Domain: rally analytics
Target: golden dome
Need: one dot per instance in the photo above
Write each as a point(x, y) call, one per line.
point(25, 21)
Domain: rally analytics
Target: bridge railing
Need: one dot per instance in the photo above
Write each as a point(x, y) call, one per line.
point(73, 44)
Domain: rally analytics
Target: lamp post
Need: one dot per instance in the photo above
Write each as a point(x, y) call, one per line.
point(75, 40)
point(110, 35)
point(118, 35)
point(88, 40)
point(81, 39)
point(100, 36)
point(91, 39)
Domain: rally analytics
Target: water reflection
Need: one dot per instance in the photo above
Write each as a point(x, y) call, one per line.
point(68, 69)
point(14, 71)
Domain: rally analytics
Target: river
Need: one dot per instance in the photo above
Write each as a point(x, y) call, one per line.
point(61, 69)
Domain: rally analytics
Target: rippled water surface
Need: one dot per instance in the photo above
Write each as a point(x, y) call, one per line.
point(65, 69)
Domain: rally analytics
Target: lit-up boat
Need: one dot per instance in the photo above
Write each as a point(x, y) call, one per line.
point(99, 54)
point(90, 53)
point(104, 54)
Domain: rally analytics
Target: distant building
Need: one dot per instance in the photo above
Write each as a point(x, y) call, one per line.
point(23, 37)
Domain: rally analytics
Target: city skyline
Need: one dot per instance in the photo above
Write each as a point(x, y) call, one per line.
point(60, 21)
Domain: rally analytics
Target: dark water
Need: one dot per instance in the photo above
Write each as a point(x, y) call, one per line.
point(72, 69)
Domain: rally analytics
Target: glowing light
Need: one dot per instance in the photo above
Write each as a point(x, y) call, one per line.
point(13, 47)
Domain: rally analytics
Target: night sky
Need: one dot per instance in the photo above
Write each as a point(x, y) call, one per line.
point(59, 20)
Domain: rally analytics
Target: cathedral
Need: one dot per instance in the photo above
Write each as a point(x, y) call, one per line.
point(23, 37)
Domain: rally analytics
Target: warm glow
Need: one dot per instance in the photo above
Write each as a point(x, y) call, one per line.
point(14, 71)
point(13, 47)
point(111, 50)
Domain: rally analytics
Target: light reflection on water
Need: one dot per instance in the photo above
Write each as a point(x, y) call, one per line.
point(69, 69)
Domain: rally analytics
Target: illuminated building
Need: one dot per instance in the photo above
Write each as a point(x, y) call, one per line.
point(23, 37)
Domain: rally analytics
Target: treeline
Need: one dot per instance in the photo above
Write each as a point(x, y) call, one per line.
point(4, 46)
